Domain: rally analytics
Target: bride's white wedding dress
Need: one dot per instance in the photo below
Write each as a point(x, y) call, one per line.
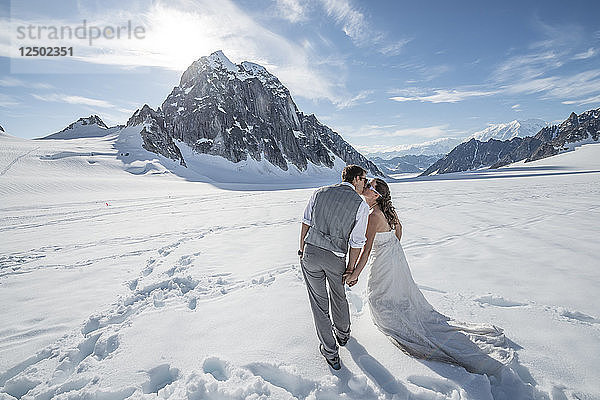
point(400, 310)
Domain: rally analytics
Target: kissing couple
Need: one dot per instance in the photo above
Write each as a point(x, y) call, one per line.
point(356, 220)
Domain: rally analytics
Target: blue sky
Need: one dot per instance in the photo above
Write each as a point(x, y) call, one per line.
point(382, 73)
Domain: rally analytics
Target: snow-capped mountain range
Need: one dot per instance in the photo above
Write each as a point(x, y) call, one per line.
point(549, 141)
point(507, 131)
point(429, 148)
point(241, 114)
point(402, 160)
point(241, 119)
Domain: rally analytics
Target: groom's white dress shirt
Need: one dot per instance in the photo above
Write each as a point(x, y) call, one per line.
point(358, 236)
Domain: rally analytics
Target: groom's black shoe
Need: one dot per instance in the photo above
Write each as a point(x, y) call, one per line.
point(334, 362)
point(341, 341)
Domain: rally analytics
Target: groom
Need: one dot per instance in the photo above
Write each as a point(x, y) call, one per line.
point(334, 220)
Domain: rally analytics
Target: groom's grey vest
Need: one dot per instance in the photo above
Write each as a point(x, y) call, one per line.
point(333, 217)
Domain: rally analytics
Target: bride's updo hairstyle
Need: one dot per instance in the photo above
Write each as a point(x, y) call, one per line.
point(384, 201)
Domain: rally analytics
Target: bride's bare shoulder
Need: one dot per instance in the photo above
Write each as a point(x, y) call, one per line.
point(377, 221)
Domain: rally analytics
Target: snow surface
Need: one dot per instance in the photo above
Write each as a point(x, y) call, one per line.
point(119, 279)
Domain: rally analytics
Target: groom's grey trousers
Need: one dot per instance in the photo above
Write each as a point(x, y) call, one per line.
point(318, 266)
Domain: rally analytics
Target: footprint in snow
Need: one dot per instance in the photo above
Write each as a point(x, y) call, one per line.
point(159, 377)
point(578, 316)
point(217, 368)
point(498, 301)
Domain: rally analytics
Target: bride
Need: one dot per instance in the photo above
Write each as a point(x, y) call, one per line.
point(399, 309)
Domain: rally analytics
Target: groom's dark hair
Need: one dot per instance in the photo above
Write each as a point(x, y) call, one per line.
point(352, 171)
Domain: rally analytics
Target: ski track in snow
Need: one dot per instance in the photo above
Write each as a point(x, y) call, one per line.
point(13, 162)
point(93, 213)
point(17, 263)
point(474, 233)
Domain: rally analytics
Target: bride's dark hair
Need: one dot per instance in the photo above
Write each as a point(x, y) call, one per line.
point(384, 201)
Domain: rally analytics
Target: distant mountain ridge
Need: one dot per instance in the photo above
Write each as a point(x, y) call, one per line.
point(407, 164)
point(430, 148)
point(507, 131)
point(549, 141)
point(92, 126)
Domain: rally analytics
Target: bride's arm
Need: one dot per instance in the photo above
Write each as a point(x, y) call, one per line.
point(366, 251)
point(398, 230)
point(397, 227)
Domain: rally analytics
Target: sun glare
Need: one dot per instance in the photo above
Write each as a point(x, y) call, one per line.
point(179, 37)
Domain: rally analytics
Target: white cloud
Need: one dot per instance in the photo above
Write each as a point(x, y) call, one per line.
point(353, 101)
point(8, 101)
point(388, 132)
point(79, 100)
point(354, 23)
point(516, 107)
point(14, 82)
point(560, 87)
point(291, 10)
point(395, 48)
point(544, 69)
point(422, 72)
point(528, 66)
point(589, 100)
point(591, 52)
point(356, 26)
point(445, 96)
point(178, 32)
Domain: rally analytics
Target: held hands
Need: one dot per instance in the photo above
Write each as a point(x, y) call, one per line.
point(346, 274)
point(350, 277)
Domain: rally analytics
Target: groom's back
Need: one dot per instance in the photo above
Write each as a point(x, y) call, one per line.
point(333, 217)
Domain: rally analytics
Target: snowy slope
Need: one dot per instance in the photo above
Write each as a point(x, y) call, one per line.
point(119, 284)
point(509, 130)
point(215, 169)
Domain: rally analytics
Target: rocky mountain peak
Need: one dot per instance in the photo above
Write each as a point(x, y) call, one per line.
point(91, 120)
point(219, 60)
point(144, 115)
point(242, 112)
point(217, 68)
point(1, 128)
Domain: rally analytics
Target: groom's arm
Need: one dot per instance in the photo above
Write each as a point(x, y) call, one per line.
point(352, 257)
point(303, 233)
point(357, 238)
point(307, 219)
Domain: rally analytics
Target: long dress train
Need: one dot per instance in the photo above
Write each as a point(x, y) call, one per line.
point(399, 309)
